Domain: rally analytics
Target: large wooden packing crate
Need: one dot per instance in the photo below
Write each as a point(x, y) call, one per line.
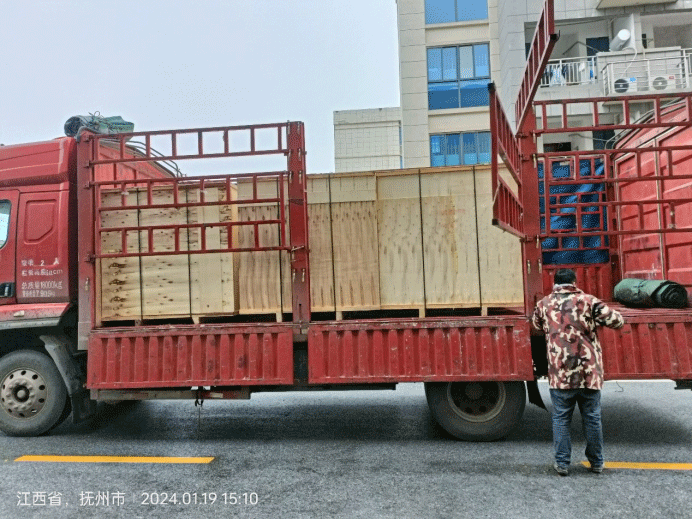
point(166, 286)
point(403, 239)
point(416, 239)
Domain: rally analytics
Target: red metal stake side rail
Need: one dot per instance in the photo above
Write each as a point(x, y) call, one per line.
point(519, 153)
point(645, 178)
point(298, 215)
point(289, 141)
point(508, 212)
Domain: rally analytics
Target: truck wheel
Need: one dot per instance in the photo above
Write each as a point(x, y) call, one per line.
point(32, 393)
point(476, 411)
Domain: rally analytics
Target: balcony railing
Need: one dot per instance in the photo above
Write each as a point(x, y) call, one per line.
point(651, 72)
point(570, 71)
point(656, 74)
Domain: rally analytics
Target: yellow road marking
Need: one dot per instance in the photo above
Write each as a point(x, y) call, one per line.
point(113, 459)
point(644, 466)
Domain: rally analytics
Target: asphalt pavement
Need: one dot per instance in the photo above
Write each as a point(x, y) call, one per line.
point(369, 454)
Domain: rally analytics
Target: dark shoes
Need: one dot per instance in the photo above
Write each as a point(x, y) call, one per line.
point(563, 471)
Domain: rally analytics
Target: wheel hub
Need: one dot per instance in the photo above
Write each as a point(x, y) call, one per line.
point(477, 401)
point(23, 393)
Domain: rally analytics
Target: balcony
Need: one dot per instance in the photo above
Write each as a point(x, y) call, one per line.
point(569, 72)
point(657, 73)
point(624, 73)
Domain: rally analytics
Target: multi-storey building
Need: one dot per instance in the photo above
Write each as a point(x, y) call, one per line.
point(445, 65)
point(368, 139)
point(450, 49)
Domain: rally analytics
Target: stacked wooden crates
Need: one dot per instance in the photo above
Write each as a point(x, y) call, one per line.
point(167, 286)
point(413, 239)
point(417, 239)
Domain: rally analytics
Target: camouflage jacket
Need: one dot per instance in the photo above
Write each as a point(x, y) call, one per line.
point(569, 318)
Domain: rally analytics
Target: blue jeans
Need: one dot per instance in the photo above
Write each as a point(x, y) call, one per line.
point(589, 401)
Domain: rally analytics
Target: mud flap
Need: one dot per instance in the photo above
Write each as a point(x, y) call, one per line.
point(535, 395)
point(82, 405)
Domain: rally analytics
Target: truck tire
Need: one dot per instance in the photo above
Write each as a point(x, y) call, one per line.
point(32, 393)
point(476, 411)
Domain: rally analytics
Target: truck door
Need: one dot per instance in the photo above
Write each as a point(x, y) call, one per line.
point(43, 247)
point(8, 246)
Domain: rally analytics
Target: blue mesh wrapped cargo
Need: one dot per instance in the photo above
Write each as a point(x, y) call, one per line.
point(573, 249)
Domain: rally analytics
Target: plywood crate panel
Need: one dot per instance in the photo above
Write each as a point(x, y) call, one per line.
point(501, 274)
point(258, 273)
point(417, 238)
point(120, 293)
point(450, 240)
point(355, 242)
point(166, 286)
point(401, 239)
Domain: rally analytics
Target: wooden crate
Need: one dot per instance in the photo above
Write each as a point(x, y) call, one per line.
point(167, 286)
point(403, 239)
point(416, 239)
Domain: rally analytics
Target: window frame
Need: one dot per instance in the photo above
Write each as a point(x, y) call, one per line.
point(455, 8)
point(460, 154)
point(435, 56)
point(5, 239)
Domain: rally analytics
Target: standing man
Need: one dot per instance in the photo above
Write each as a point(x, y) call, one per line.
point(569, 318)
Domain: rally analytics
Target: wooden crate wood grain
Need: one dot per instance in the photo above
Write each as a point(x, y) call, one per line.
point(167, 286)
point(404, 239)
point(371, 247)
point(501, 275)
point(450, 240)
point(355, 242)
point(165, 280)
point(120, 294)
point(320, 236)
point(259, 275)
point(400, 241)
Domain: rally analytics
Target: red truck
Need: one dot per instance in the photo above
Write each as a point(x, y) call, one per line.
point(74, 209)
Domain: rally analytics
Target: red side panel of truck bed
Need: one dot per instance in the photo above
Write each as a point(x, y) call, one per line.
point(185, 356)
point(655, 343)
point(665, 174)
point(420, 350)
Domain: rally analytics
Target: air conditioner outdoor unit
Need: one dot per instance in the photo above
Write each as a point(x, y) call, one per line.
point(662, 82)
point(625, 85)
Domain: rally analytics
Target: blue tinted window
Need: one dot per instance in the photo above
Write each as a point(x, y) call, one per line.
point(474, 93)
point(472, 10)
point(439, 11)
point(470, 149)
point(481, 60)
point(458, 76)
point(466, 68)
point(452, 150)
point(444, 11)
point(484, 147)
point(434, 64)
point(443, 95)
point(449, 63)
point(455, 149)
point(437, 157)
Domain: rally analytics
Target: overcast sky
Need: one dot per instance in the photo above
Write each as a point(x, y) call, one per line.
point(166, 64)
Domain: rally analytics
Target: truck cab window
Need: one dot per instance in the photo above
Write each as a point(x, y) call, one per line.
point(4, 221)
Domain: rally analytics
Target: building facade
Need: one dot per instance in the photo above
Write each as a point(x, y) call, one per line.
point(366, 140)
point(450, 49)
point(445, 63)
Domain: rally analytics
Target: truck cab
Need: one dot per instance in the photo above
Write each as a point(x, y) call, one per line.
point(44, 373)
point(37, 264)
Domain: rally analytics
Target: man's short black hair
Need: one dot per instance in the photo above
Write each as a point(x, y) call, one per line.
point(564, 276)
